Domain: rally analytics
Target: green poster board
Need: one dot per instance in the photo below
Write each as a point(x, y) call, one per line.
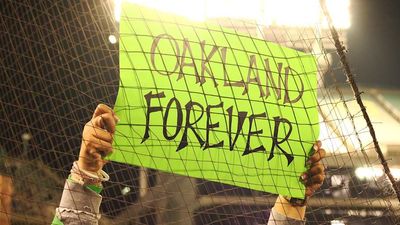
point(204, 101)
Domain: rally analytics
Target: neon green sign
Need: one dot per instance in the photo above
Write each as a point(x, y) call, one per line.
point(204, 101)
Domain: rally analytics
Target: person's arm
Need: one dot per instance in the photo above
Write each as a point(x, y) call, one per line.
point(284, 212)
point(80, 201)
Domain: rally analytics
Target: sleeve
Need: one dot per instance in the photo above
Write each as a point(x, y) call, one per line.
point(276, 218)
point(79, 205)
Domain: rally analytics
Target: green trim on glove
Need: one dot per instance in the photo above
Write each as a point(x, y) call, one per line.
point(56, 221)
point(95, 188)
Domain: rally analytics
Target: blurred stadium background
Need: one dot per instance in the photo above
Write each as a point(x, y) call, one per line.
point(59, 59)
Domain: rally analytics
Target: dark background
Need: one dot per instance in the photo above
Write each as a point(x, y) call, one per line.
point(374, 42)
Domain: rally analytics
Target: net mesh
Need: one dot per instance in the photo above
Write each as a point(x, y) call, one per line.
point(57, 63)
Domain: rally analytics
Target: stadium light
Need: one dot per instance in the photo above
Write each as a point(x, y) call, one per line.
point(265, 12)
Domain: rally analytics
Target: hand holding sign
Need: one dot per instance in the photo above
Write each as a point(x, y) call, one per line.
point(315, 176)
point(313, 179)
point(203, 101)
point(97, 138)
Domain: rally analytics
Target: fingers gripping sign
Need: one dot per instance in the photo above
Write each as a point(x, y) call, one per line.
point(312, 179)
point(315, 175)
point(97, 138)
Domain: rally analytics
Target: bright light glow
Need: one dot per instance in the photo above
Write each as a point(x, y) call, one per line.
point(339, 10)
point(368, 173)
point(306, 13)
point(297, 13)
point(117, 9)
point(112, 39)
point(292, 12)
point(395, 172)
point(239, 9)
point(330, 140)
point(192, 9)
point(337, 222)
